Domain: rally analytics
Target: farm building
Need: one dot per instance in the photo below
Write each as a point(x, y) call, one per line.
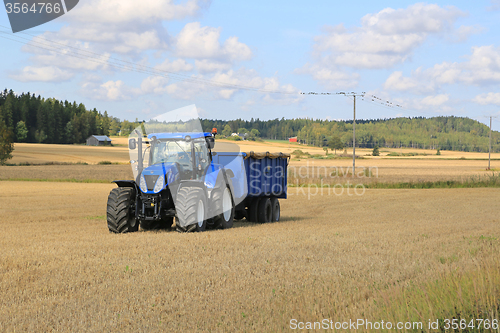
point(98, 140)
point(293, 139)
point(243, 136)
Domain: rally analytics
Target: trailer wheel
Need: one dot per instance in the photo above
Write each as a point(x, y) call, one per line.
point(120, 211)
point(191, 207)
point(265, 210)
point(275, 204)
point(253, 210)
point(224, 209)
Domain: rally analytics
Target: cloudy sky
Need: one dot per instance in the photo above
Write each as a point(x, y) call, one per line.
point(235, 59)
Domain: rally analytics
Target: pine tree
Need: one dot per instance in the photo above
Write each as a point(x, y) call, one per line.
point(6, 142)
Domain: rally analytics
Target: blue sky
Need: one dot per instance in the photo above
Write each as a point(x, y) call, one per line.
point(433, 59)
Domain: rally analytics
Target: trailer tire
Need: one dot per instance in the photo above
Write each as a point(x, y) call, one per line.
point(265, 210)
point(191, 207)
point(253, 210)
point(120, 211)
point(224, 208)
point(275, 204)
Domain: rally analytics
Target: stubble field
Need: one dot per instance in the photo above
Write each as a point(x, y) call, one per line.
point(383, 255)
point(331, 257)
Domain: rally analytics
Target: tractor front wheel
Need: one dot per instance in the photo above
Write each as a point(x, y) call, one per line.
point(120, 210)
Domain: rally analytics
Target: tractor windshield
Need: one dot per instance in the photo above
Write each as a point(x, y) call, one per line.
point(173, 151)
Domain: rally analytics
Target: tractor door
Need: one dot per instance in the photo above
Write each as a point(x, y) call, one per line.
point(201, 156)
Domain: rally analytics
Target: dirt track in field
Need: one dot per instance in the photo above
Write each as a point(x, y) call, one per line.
point(61, 270)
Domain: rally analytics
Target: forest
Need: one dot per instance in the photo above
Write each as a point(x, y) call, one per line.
point(36, 119)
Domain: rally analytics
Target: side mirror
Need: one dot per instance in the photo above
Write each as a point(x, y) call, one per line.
point(132, 144)
point(210, 142)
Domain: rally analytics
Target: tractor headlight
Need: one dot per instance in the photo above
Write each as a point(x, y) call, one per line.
point(142, 184)
point(159, 184)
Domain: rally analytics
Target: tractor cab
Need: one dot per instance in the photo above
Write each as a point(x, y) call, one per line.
point(171, 157)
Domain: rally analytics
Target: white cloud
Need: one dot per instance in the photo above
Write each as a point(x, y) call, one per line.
point(397, 82)
point(178, 65)
point(199, 42)
point(154, 85)
point(207, 66)
point(388, 37)
point(225, 86)
point(482, 68)
point(331, 78)
point(435, 100)
point(489, 98)
point(43, 73)
point(126, 11)
point(67, 54)
point(109, 91)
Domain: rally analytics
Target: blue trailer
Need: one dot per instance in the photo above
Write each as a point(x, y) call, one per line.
point(182, 182)
point(264, 182)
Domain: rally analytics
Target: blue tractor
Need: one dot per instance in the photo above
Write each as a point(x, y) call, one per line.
point(185, 180)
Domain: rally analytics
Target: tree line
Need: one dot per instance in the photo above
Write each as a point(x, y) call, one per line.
point(29, 118)
point(445, 133)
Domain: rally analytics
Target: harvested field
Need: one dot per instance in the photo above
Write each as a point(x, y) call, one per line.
point(99, 173)
point(302, 171)
point(387, 170)
point(36, 153)
point(332, 257)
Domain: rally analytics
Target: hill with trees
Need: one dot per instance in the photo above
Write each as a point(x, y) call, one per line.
point(445, 133)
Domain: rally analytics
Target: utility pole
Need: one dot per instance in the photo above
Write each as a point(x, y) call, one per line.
point(354, 139)
point(489, 154)
point(354, 95)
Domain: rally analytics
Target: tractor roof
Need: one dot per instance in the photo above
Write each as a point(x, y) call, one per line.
point(180, 135)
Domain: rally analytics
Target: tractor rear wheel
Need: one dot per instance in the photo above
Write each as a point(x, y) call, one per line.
point(224, 208)
point(120, 210)
point(190, 207)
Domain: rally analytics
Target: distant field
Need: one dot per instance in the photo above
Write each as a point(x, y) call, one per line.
point(43, 153)
point(338, 257)
point(448, 166)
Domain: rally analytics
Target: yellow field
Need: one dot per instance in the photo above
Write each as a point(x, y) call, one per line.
point(336, 257)
point(448, 166)
point(43, 153)
point(36, 153)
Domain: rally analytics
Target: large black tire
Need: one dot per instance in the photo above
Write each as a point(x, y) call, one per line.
point(188, 205)
point(265, 210)
point(253, 210)
point(275, 204)
point(223, 208)
point(120, 210)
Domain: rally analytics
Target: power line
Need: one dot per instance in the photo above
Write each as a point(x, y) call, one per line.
point(122, 64)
